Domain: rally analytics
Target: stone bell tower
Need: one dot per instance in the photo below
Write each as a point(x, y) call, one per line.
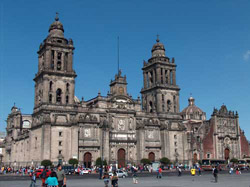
point(160, 93)
point(55, 80)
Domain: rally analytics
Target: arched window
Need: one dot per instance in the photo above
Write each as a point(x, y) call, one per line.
point(151, 106)
point(50, 85)
point(59, 63)
point(67, 99)
point(50, 98)
point(58, 95)
point(67, 87)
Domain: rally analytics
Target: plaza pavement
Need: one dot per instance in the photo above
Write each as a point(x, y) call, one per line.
point(225, 180)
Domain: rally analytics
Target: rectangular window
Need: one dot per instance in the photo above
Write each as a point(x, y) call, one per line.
point(60, 143)
point(175, 136)
point(208, 155)
point(60, 134)
point(175, 143)
point(60, 152)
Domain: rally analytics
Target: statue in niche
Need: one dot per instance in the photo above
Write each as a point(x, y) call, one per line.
point(121, 125)
point(130, 123)
point(169, 105)
point(87, 132)
point(150, 134)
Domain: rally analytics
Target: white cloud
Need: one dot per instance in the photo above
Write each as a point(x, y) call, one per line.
point(246, 56)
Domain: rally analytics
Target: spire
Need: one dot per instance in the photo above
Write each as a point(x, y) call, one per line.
point(57, 18)
point(157, 40)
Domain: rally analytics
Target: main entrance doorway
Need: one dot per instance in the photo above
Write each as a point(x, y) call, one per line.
point(87, 160)
point(195, 158)
point(121, 158)
point(226, 153)
point(151, 157)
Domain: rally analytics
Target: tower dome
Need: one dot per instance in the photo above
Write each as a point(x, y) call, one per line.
point(158, 49)
point(193, 112)
point(56, 28)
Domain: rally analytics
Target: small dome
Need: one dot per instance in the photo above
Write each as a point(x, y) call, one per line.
point(158, 49)
point(192, 111)
point(56, 28)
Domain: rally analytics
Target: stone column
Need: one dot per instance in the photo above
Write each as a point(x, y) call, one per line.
point(149, 82)
point(70, 61)
point(164, 76)
point(62, 61)
point(45, 97)
point(46, 141)
point(169, 78)
point(72, 92)
point(174, 79)
point(48, 58)
point(154, 77)
point(158, 75)
point(74, 142)
point(145, 79)
point(55, 61)
point(158, 103)
point(105, 142)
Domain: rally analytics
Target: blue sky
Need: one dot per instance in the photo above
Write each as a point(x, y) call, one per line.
point(210, 41)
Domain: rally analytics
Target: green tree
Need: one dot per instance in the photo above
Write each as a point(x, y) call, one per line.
point(165, 161)
point(99, 162)
point(234, 160)
point(73, 161)
point(46, 163)
point(145, 161)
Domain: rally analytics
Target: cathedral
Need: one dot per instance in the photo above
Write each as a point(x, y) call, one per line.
point(118, 128)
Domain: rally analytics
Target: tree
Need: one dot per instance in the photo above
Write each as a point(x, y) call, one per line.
point(165, 161)
point(145, 161)
point(99, 162)
point(73, 161)
point(234, 160)
point(46, 163)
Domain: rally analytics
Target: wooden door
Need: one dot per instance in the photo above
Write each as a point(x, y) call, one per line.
point(121, 158)
point(226, 153)
point(151, 157)
point(87, 160)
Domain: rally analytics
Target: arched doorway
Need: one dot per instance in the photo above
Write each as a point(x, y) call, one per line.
point(226, 153)
point(151, 157)
point(121, 158)
point(87, 160)
point(195, 158)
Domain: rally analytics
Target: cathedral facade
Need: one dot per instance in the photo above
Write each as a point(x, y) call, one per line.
point(118, 128)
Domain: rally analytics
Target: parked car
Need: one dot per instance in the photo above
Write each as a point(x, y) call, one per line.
point(120, 173)
point(39, 172)
point(68, 169)
point(85, 171)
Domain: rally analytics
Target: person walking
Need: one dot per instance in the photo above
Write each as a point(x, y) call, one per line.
point(33, 179)
point(114, 179)
point(43, 176)
point(179, 171)
point(215, 173)
point(106, 178)
point(61, 177)
point(134, 175)
point(52, 180)
point(199, 170)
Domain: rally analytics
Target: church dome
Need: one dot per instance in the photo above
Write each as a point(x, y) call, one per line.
point(192, 111)
point(56, 28)
point(158, 49)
